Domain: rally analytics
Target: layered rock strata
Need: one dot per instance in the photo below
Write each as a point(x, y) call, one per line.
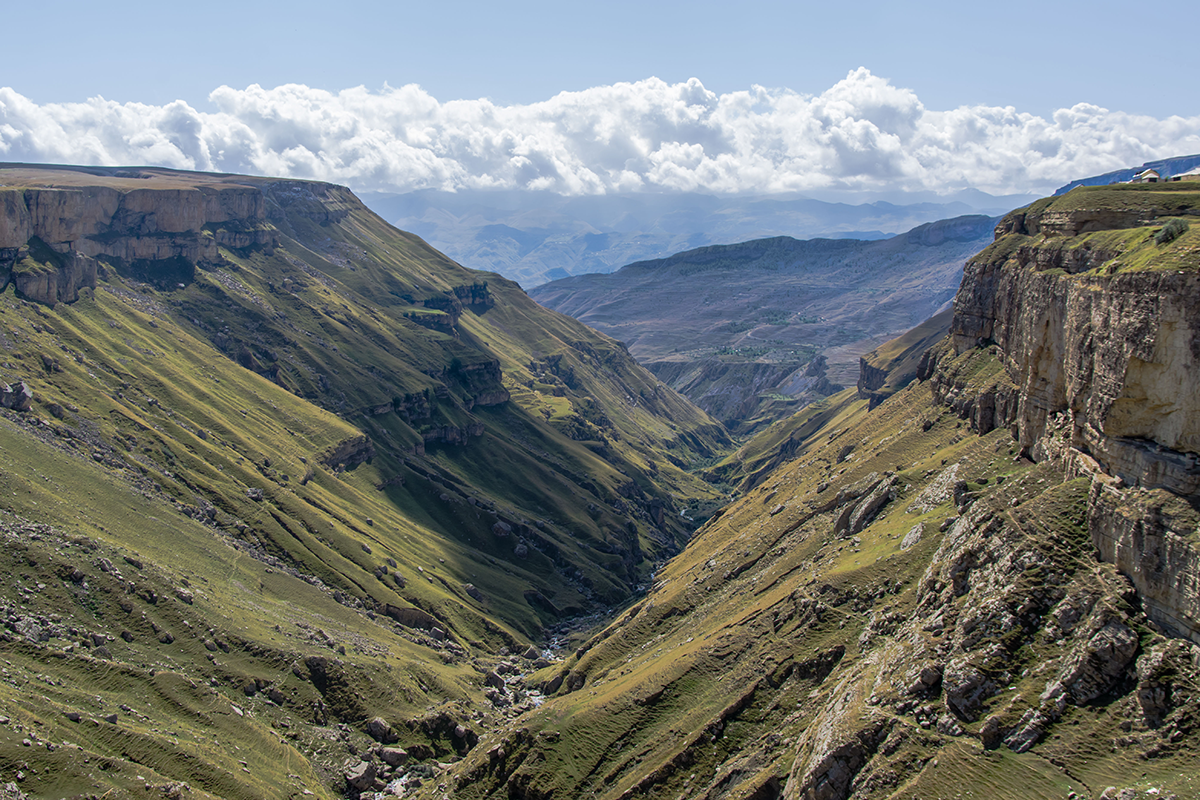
point(1100, 367)
point(126, 224)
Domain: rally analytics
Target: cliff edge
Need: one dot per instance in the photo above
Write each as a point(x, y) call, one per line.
point(1091, 314)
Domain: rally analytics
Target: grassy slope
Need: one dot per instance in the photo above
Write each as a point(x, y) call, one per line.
point(730, 680)
point(1129, 245)
point(148, 439)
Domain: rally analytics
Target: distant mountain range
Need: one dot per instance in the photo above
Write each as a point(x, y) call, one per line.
point(535, 237)
point(750, 331)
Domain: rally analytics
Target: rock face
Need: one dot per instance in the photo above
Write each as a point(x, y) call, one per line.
point(1100, 365)
point(1115, 353)
point(124, 225)
point(1152, 540)
point(350, 453)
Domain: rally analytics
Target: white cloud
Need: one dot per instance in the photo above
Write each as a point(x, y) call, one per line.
point(862, 133)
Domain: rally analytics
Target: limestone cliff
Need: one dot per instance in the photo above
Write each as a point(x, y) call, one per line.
point(149, 228)
point(1095, 325)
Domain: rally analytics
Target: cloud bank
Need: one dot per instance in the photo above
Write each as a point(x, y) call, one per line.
point(861, 134)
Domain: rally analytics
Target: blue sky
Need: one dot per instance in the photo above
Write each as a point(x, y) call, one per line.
point(1036, 56)
point(1010, 97)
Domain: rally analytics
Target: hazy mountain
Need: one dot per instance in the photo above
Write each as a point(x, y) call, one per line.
point(751, 331)
point(534, 237)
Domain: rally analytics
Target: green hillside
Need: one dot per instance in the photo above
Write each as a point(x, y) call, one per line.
point(370, 472)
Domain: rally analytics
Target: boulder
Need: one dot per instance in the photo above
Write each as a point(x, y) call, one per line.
point(379, 730)
point(393, 756)
point(361, 776)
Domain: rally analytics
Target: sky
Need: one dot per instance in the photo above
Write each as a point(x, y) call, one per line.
point(623, 96)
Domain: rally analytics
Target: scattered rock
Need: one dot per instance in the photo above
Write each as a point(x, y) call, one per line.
point(912, 537)
point(17, 398)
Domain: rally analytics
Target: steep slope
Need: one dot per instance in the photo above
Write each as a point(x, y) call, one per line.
point(751, 332)
point(893, 365)
point(268, 451)
point(984, 586)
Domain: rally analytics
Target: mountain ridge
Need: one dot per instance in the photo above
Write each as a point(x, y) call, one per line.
point(534, 237)
point(752, 331)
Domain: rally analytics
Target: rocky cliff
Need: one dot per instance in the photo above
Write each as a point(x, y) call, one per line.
point(1095, 325)
point(138, 218)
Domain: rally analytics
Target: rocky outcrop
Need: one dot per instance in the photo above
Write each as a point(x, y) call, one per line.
point(286, 203)
point(452, 434)
point(349, 453)
point(495, 397)
point(475, 296)
point(16, 398)
point(45, 276)
point(836, 747)
point(1150, 537)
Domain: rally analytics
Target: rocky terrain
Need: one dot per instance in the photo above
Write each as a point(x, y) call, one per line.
point(981, 585)
point(754, 331)
point(284, 487)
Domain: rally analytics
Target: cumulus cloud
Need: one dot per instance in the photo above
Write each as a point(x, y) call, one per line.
point(862, 133)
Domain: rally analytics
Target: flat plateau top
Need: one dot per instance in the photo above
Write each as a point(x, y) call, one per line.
point(55, 176)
